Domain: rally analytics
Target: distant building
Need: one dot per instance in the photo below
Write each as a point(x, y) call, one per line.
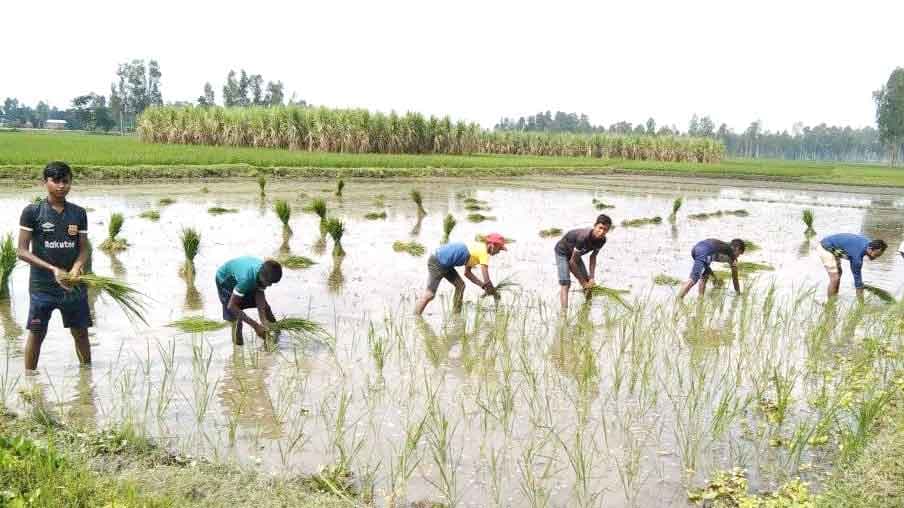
point(56, 124)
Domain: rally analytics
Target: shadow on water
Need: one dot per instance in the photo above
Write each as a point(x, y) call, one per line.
point(243, 392)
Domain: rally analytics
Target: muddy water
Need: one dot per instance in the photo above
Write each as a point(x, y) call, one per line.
point(273, 409)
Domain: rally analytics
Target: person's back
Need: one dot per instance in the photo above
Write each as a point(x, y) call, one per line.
point(846, 245)
point(452, 254)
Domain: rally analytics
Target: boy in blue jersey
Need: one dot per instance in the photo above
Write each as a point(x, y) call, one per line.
point(240, 285)
point(442, 263)
point(707, 251)
point(833, 248)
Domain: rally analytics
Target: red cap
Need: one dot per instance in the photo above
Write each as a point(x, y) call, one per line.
point(497, 239)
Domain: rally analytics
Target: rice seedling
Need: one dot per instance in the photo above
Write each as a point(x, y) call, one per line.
point(129, 299)
point(296, 262)
point(599, 205)
point(191, 243)
point(448, 225)
point(880, 293)
point(666, 280)
point(479, 217)
point(7, 263)
point(550, 232)
point(336, 228)
point(676, 205)
point(719, 213)
point(339, 186)
point(641, 222)
point(284, 212)
point(262, 184)
point(610, 293)
point(153, 215)
point(419, 201)
point(318, 206)
point(113, 243)
point(298, 328)
point(219, 210)
point(197, 324)
point(375, 215)
point(413, 248)
point(473, 207)
point(807, 217)
point(166, 201)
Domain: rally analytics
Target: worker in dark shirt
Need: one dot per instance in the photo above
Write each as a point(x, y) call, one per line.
point(707, 251)
point(569, 250)
point(53, 239)
point(833, 248)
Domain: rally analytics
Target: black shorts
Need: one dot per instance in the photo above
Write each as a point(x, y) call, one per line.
point(436, 272)
point(247, 301)
point(73, 306)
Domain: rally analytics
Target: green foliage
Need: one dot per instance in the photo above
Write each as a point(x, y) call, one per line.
point(197, 324)
point(7, 263)
point(115, 225)
point(375, 215)
point(153, 215)
point(449, 224)
point(550, 232)
point(807, 217)
point(418, 200)
point(413, 248)
point(191, 243)
point(283, 211)
point(890, 112)
point(129, 299)
point(112, 243)
point(615, 295)
point(219, 210)
point(641, 222)
point(335, 228)
point(318, 206)
point(298, 328)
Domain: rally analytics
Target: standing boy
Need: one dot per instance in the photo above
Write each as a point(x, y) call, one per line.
point(53, 239)
point(442, 263)
point(240, 285)
point(569, 250)
point(707, 251)
point(833, 248)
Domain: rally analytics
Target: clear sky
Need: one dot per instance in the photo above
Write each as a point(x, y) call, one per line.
point(777, 61)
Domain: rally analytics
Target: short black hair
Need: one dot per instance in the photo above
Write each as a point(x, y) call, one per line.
point(57, 170)
point(603, 219)
point(271, 270)
point(878, 245)
point(739, 244)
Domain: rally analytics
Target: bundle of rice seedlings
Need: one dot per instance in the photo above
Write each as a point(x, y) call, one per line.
point(296, 262)
point(339, 186)
point(808, 221)
point(262, 183)
point(419, 201)
point(191, 243)
point(284, 212)
point(547, 233)
point(298, 328)
point(130, 300)
point(166, 201)
point(504, 285)
point(219, 210)
point(375, 215)
point(318, 206)
point(666, 280)
point(641, 222)
point(880, 293)
point(676, 205)
point(7, 263)
point(112, 243)
point(479, 217)
point(751, 246)
point(599, 205)
point(448, 225)
point(612, 294)
point(474, 207)
point(749, 266)
point(197, 324)
point(336, 229)
point(474, 201)
point(150, 215)
point(413, 248)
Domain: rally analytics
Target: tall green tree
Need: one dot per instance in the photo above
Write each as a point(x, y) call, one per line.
point(208, 98)
point(890, 113)
point(231, 90)
point(275, 94)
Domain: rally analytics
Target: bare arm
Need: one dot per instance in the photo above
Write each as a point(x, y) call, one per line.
point(82, 255)
point(734, 279)
point(573, 266)
point(236, 310)
point(593, 265)
point(471, 277)
point(263, 307)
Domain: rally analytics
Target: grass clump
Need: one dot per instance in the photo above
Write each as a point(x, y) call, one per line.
point(550, 232)
point(666, 280)
point(479, 217)
point(336, 228)
point(166, 201)
point(219, 210)
point(641, 222)
point(8, 261)
point(129, 299)
point(262, 184)
point(807, 217)
point(150, 215)
point(296, 262)
point(375, 215)
point(339, 186)
point(448, 225)
point(113, 243)
point(880, 293)
point(197, 324)
point(413, 248)
point(419, 201)
point(284, 212)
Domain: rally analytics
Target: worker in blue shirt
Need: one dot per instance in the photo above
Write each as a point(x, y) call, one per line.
point(833, 248)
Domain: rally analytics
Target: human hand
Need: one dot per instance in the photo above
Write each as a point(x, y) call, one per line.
point(588, 284)
point(62, 277)
point(260, 330)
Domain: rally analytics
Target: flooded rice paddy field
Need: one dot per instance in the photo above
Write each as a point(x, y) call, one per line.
point(508, 405)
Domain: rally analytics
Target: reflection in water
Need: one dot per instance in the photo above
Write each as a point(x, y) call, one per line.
point(336, 279)
point(319, 246)
point(882, 220)
point(416, 230)
point(572, 353)
point(706, 327)
point(116, 267)
point(804, 249)
point(11, 329)
point(193, 300)
point(284, 246)
point(83, 406)
point(244, 395)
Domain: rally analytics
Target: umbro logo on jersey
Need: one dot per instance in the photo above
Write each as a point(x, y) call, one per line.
point(47, 226)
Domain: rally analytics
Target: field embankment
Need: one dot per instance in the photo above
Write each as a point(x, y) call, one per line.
point(24, 154)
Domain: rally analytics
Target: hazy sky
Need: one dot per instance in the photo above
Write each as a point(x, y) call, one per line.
point(778, 61)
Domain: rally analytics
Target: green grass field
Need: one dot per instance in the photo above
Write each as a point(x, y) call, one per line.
point(23, 154)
